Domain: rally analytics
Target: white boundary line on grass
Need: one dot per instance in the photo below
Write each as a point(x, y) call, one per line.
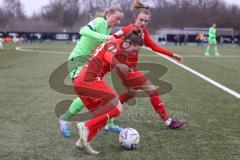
point(30, 49)
point(198, 56)
point(39, 51)
point(230, 91)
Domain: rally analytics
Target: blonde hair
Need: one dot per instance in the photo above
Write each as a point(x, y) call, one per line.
point(140, 8)
point(109, 10)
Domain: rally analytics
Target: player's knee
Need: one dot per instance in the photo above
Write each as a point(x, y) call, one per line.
point(116, 103)
point(120, 108)
point(132, 92)
point(150, 89)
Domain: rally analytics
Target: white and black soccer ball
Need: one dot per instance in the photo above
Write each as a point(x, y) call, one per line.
point(129, 138)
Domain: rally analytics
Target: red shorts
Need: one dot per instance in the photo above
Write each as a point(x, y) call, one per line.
point(133, 79)
point(93, 94)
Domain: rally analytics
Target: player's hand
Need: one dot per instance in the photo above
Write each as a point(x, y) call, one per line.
point(110, 37)
point(179, 58)
point(123, 68)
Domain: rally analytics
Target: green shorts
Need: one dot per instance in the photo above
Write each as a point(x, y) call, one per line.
point(74, 72)
point(75, 66)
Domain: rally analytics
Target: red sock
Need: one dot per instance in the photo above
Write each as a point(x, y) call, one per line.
point(95, 130)
point(95, 124)
point(92, 123)
point(125, 97)
point(158, 105)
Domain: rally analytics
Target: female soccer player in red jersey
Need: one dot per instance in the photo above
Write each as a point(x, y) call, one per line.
point(96, 95)
point(135, 79)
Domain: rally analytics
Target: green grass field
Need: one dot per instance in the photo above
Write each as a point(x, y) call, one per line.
point(29, 126)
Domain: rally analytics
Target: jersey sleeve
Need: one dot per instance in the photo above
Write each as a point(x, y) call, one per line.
point(123, 31)
point(91, 29)
point(151, 44)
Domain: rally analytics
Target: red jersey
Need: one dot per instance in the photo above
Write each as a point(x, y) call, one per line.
point(103, 59)
point(132, 59)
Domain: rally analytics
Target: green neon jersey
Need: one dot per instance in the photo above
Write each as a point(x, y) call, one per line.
point(92, 35)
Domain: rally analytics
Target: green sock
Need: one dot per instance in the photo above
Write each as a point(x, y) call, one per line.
point(110, 121)
point(208, 48)
point(76, 107)
point(215, 49)
point(67, 116)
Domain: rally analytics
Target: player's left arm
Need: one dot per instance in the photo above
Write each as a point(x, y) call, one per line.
point(92, 29)
point(150, 43)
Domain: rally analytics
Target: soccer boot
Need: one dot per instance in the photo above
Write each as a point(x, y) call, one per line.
point(83, 133)
point(79, 144)
point(64, 127)
point(113, 128)
point(176, 123)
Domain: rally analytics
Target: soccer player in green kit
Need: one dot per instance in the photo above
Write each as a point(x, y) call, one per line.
point(92, 35)
point(212, 34)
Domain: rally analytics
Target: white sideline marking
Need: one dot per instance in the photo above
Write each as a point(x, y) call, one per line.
point(39, 51)
point(25, 49)
point(230, 91)
point(198, 56)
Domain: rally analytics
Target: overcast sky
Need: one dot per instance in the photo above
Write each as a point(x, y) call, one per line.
point(31, 6)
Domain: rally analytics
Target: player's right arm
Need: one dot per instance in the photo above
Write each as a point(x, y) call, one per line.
point(91, 29)
point(123, 31)
point(150, 43)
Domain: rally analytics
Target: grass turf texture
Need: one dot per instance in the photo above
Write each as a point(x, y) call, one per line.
point(29, 127)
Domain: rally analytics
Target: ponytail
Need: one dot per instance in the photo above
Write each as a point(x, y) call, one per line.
point(138, 5)
point(140, 8)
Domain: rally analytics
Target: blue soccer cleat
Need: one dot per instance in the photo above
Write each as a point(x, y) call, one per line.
point(113, 128)
point(64, 128)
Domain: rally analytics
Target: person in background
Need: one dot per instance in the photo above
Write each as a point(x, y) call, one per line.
point(212, 41)
point(221, 40)
point(1, 44)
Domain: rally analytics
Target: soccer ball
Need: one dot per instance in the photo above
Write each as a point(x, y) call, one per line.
point(129, 138)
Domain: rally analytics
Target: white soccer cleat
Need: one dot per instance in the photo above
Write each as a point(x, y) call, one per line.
point(82, 143)
point(88, 149)
point(79, 144)
point(206, 54)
